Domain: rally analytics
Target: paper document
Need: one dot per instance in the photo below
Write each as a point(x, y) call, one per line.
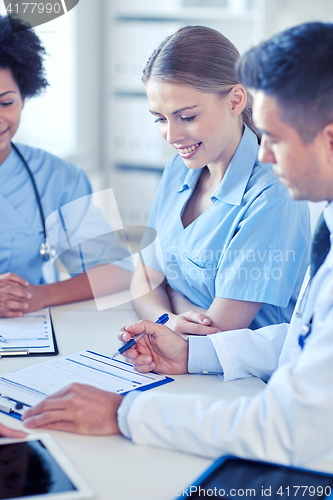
point(30, 334)
point(31, 385)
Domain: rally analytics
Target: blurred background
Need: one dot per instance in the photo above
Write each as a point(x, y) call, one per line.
point(95, 113)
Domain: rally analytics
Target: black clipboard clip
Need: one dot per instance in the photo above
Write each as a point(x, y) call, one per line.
point(31, 351)
point(14, 351)
point(11, 406)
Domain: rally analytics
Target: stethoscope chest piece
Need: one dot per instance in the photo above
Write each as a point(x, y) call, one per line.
point(46, 252)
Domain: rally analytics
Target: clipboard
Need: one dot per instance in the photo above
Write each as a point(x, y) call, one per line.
point(29, 335)
point(24, 388)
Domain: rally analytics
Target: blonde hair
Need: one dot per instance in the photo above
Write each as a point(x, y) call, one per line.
point(202, 58)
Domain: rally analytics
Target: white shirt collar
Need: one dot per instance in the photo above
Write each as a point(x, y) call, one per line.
point(328, 216)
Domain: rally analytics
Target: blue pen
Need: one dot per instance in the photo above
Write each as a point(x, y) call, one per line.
point(161, 321)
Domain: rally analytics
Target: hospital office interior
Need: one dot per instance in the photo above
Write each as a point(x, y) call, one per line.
point(95, 112)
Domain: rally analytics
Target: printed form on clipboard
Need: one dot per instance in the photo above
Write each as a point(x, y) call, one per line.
point(31, 334)
point(27, 387)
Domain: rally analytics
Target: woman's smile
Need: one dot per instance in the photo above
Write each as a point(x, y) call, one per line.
point(188, 151)
point(201, 126)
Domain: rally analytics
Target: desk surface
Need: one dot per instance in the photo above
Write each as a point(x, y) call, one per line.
point(105, 461)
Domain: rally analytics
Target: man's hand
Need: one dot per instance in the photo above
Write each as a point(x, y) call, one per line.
point(78, 408)
point(14, 296)
point(11, 433)
point(161, 349)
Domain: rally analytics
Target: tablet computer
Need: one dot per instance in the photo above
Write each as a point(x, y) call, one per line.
point(36, 469)
point(234, 478)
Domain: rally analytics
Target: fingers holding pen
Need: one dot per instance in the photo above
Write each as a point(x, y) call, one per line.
point(140, 354)
point(140, 358)
point(160, 349)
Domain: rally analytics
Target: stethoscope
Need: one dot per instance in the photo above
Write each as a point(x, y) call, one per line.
point(45, 251)
point(307, 327)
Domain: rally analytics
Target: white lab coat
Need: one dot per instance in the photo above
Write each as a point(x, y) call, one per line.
point(290, 421)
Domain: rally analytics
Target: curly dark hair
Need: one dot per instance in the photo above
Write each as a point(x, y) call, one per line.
point(22, 53)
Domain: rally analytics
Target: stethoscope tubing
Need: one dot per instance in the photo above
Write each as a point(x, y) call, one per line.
point(25, 163)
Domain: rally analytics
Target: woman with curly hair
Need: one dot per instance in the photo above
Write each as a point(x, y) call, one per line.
point(25, 203)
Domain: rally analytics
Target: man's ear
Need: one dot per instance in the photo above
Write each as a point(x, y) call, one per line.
point(238, 99)
point(23, 102)
point(327, 133)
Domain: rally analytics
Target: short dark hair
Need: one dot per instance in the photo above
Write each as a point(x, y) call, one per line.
point(22, 53)
point(296, 68)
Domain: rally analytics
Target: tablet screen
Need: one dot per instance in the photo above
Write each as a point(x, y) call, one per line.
point(235, 478)
point(28, 468)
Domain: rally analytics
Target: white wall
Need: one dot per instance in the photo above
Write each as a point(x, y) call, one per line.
point(69, 119)
point(282, 14)
point(49, 120)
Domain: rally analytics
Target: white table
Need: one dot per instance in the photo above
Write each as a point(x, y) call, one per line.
point(107, 462)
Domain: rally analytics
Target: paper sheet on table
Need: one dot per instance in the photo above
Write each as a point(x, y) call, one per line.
point(35, 383)
point(31, 332)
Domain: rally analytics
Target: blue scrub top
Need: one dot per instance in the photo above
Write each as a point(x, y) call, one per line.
point(58, 184)
point(251, 244)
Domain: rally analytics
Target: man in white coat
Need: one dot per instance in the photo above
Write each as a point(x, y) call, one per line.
point(290, 421)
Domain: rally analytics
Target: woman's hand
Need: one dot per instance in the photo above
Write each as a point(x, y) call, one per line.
point(14, 295)
point(187, 316)
point(192, 322)
point(161, 349)
point(17, 296)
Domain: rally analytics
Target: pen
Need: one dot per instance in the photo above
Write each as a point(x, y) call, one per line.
point(161, 321)
point(2, 339)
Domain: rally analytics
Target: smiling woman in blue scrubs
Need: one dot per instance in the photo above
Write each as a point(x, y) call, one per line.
point(22, 286)
point(233, 244)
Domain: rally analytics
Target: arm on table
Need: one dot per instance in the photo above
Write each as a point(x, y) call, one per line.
point(269, 426)
point(78, 408)
point(87, 410)
point(255, 427)
point(17, 296)
point(155, 303)
point(289, 421)
point(236, 354)
point(225, 314)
